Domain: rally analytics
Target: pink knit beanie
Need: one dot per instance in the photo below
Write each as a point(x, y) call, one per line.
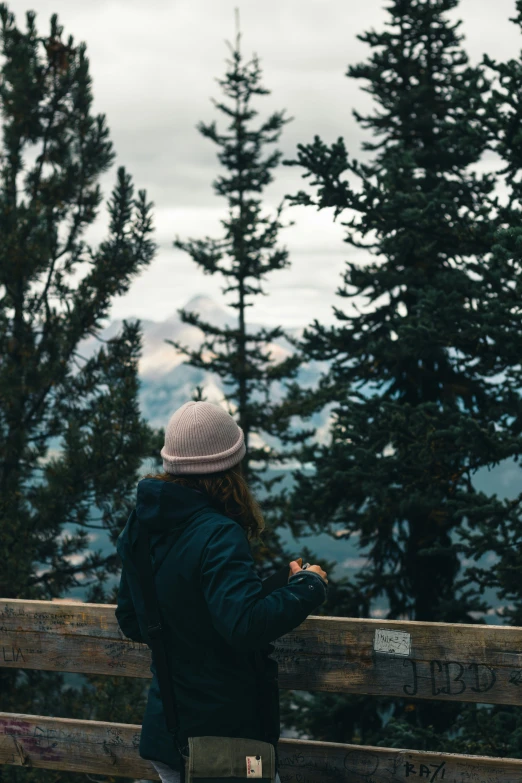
point(202, 438)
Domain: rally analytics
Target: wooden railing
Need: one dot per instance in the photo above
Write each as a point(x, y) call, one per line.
point(478, 663)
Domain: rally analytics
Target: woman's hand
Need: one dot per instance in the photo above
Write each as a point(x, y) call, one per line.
point(295, 567)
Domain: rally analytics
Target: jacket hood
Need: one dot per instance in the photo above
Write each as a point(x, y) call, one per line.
point(163, 507)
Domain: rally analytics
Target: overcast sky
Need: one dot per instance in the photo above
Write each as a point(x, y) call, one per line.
point(154, 66)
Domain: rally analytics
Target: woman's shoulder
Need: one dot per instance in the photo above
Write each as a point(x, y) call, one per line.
point(217, 523)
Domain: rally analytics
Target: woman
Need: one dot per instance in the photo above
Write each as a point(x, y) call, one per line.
point(200, 515)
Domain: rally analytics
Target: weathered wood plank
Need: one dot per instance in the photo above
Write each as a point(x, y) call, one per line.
point(475, 663)
point(112, 749)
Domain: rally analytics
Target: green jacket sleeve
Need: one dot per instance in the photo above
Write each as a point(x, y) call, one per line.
point(233, 592)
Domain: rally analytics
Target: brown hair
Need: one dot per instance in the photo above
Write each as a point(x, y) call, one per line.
point(229, 493)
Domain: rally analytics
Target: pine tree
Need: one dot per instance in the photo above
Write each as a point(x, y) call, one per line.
point(415, 411)
point(48, 396)
point(247, 253)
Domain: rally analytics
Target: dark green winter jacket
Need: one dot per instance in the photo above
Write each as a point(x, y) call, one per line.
point(210, 601)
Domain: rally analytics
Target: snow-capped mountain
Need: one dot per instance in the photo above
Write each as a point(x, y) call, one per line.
point(166, 382)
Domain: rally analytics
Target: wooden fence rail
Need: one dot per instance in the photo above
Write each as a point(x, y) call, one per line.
point(475, 663)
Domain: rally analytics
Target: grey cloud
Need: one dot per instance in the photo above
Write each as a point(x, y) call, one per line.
point(154, 67)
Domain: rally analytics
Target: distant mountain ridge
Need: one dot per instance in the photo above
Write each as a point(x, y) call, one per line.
point(166, 382)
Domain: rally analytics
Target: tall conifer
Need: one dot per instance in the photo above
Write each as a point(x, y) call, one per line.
point(415, 411)
point(50, 395)
point(245, 256)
